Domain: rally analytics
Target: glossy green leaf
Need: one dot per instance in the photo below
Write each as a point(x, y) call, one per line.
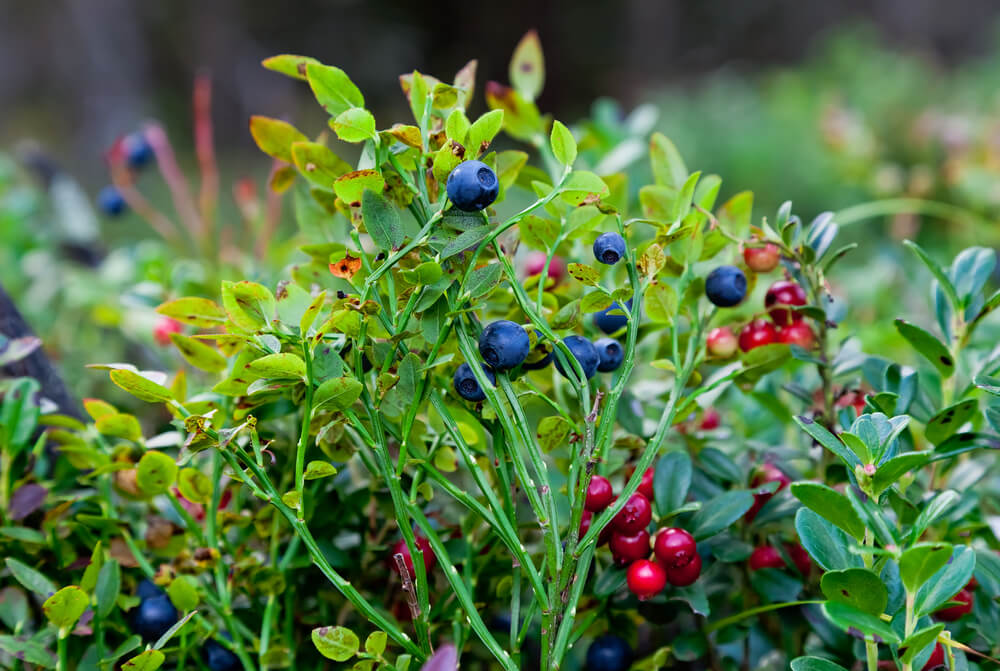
point(381, 221)
point(333, 89)
point(718, 513)
point(275, 137)
point(943, 585)
point(918, 641)
point(830, 504)
point(563, 144)
point(946, 422)
point(826, 543)
point(856, 587)
point(107, 588)
point(815, 664)
point(339, 392)
point(149, 660)
point(195, 311)
point(336, 643)
point(928, 346)
point(671, 481)
point(155, 473)
point(141, 387)
point(31, 579)
point(286, 366)
point(198, 354)
point(850, 619)
point(354, 125)
point(65, 607)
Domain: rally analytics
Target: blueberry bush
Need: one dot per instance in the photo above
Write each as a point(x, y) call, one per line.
point(509, 409)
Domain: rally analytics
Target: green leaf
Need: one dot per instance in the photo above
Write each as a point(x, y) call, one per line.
point(194, 485)
point(65, 607)
point(336, 643)
point(671, 481)
point(119, 425)
point(318, 164)
point(351, 186)
point(333, 89)
point(827, 440)
point(32, 580)
point(482, 131)
point(19, 413)
point(27, 651)
point(831, 505)
point(109, 581)
point(456, 127)
point(339, 392)
point(928, 346)
point(319, 469)
point(142, 388)
point(155, 473)
point(467, 239)
point(815, 664)
point(583, 273)
point(552, 432)
point(275, 137)
point(286, 366)
point(563, 144)
point(595, 301)
point(169, 633)
point(198, 354)
point(668, 166)
point(661, 303)
point(375, 643)
point(289, 64)
point(354, 125)
point(850, 619)
point(890, 471)
point(483, 280)
point(946, 422)
point(581, 186)
point(381, 221)
point(826, 543)
point(183, 593)
point(718, 513)
point(734, 215)
point(916, 642)
point(856, 587)
point(934, 509)
point(199, 312)
point(920, 562)
point(946, 583)
point(527, 67)
point(250, 306)
point(150, 660)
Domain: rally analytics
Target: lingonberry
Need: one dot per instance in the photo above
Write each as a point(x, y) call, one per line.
point(797, 333)
point(959, 610)
point(762, 259)
point(599, 494)
point(767, 472)
point(646, 484)
point(609, 653)
point(534, 264)
point(466, 384)
point(504, 344)
point(609, 248)
point(218, 658)
point(110, 201)
point(756, 334)
point(612, 323)
point(675, 548)
point(162, 329)
point(610, 354)
point(472, 186)
point(799, 557)
point(584, 352)
point(138, 151)
point(721, 342)
point(645, 578)
point(765, 556)
point(634, 516)
point(627, 549)
point(687, 574)
point(936, 659)
point(726, 286)
point(710, 420)
point(424, 545)
point(153, 617)
point(784, 293)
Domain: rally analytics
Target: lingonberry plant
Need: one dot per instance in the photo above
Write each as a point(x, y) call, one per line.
point(409, 439)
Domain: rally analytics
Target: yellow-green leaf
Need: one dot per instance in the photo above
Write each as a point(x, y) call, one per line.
point(198, 354)
point(65, 607)
point(195, 311)
point(354, 125)
point(275, 137)
point(340, 392)
point(155, 473)
point(563, 143)
point(140, 387)
point(283, 366)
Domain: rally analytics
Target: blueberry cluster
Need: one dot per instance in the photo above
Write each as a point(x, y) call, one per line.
point(136, 153)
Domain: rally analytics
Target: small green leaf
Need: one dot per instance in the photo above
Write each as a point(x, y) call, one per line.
point(527, 67)
point(668, 166)
point(671, 481)
point(552, 432)
point(32, 580)
point(946, 582)
point(890, 471)
point(65, 607)
point(661, 303)
point(155, 473)
point(830, 504)
point(340, 392)
point(250, 306)
point(280, 366)
point(27, 651)
point(850, 619)
point(336, 643)
point(289, 65)
point(483, 280)
point(467, 239)
point(199, 312)
point(107, 588)
point(142, 388)
point(563, 143)
point(482, 131)
point(351, 186)
point(318, 164)
point(584, 274)
point(275, 137)
point(119, 425)
point(928, 346)
point(381, 221)
point(375, 643)
point(718, 513)
point(333, 89)
point(354, 125)
point(916, 642)
point(194, 485)
point(198, 354)
point(595, 301)
point(857, 587)
point(946, 422)
point(815, 664)
point(150, 660)
point(827, 439)
point(826, 543)
point(319, 469)
point(183, 593)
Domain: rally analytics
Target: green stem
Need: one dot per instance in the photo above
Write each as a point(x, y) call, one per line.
point(300, 452)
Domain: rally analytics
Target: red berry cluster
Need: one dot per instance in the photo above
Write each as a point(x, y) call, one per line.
point(785, 326)
point(676, 554)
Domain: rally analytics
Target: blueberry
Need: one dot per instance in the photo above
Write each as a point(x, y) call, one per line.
point(609, 248)
point(110, 200)
point(585, 353)
point(148, 589)
point(504, 344)
point(609, 653)
point(726, 286)
point(153, 617)
point(218, 658)
point(138, 151)
point(613, 323)
point(472, 186)
point(610, 354)
point(467, 385)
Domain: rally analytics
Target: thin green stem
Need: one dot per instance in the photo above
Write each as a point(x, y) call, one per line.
point(300, 452)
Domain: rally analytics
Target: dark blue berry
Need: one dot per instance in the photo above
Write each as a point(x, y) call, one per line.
point(467, 385)
point(609, 653)
point(612, 323)
point(610, 353)
point(138, 151)
point(218, 658)
point(585, 353)
point(609, 248)
point(110, 200)
point(472, 186)
point(153, 617)
point(504, 344)
point(148, 589)
point(726, 286)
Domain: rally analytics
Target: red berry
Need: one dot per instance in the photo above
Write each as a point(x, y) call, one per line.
point(535, 263)
point(424, 545)
point(686, 575)
point(936, 658)
point(956, 612)
point(762, 259)
point(646, 578)
point(766, 557)
point(799, 557)
point(634, 517)
point(756, 334)
point(797, 333)
point(675, 548)
point(163, 328)
point(972, 584)
point(646, 484)
point(585, 523)
point(599, 494)
point(766, 473)
point(721, 342)
point(627, 549)
point(710, 420)
point(855, 398)
point(784, 293)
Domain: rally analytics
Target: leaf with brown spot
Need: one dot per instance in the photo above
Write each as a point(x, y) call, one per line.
point(346, 267)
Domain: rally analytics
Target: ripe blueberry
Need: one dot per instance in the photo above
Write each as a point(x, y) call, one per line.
point(627, 549)
point(675, 548)
point(797, 333)
point(721, 342)
point(609, 653)
point(687, 574)
point(138, 151)
point(959, 610)
point(424, 545)
point(611, 323)
point(762, 259)
point(726, 286)
point(218, 658)
point(609, 248)
point(111, 202)
point(148, 589)
point(535, 264)
point(467, 385)
point(634, 516)
point(472, 186)
point(504, 344)
point(584, 352)
point(784, 293)
point(610, 354)
point(599, 494)
point(646, 579)
point(756, 334)
point(153, 617)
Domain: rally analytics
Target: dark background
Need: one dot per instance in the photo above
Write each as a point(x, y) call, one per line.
point(78, 73)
